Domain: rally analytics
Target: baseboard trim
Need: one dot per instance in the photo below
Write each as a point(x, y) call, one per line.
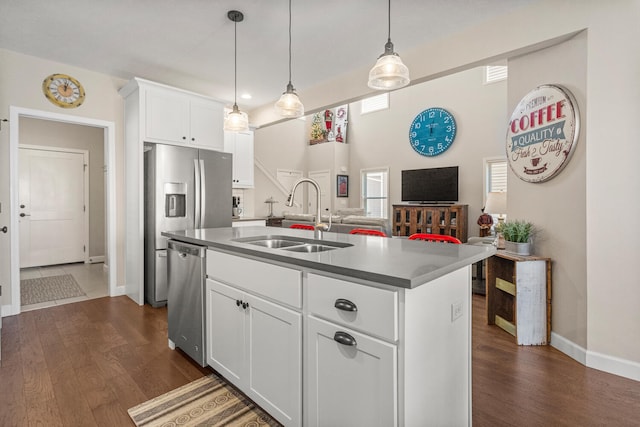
point(591, 359)
point(613, 365)
point(7, 310)
point(569, 348)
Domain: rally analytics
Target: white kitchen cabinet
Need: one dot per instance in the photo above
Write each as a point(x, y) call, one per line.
point(256, 344)
point(352, 378)
point(240, 144)
point(374, 355)
point(409, 365)
point(173, 117)
point(158, 113)
point(225, 329)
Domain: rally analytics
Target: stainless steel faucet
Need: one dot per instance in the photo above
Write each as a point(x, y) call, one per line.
point(319, 226)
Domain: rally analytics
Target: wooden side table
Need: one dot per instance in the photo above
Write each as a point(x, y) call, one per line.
point(519, 296)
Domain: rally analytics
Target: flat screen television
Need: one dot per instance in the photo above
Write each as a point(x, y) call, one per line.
point(432, 186)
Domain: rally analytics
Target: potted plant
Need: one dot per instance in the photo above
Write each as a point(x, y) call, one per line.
point(517, 235)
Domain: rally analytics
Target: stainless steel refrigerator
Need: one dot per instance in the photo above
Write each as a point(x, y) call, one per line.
point(185, 188)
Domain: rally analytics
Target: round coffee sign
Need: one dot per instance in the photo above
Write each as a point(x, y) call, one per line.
point(543, 132)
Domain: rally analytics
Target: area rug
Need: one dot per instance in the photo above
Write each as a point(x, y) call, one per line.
point(207, 401)
point(51, 288)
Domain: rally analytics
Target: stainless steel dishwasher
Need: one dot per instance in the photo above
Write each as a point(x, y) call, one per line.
point(185, 298)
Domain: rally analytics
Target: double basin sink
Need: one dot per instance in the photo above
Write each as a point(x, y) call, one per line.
point(292, 244)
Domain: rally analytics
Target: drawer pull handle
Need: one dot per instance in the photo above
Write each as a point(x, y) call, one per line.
point(344, 338)
point(345, 305)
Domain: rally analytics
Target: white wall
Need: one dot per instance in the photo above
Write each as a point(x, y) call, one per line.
point(381, 139)
point(557, 207)
point(21, 79)
point(281, 146)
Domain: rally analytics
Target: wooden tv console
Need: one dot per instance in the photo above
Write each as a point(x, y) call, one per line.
point(451, 220)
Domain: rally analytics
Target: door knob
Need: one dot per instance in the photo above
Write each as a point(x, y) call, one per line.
point(4, 229)
point(24, 214)
point(21, 206)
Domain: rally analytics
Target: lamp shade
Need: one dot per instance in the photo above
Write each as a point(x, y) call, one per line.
point(236, 121)
point(388, 73)
point(289, 104)
point(496, 203)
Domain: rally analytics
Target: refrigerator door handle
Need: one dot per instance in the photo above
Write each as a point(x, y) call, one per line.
point(203, 193)
point(197, 192)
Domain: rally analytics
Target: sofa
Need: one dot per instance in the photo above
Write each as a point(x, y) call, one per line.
point(342, 221)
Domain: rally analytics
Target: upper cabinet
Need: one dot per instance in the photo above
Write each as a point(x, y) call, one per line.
point(240, 144)
point(173, 116)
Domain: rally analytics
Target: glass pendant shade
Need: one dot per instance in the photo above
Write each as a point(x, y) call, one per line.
point(236, 121)
point(289, 104)
point(389, 72)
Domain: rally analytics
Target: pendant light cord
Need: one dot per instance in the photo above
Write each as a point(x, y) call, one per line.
point(389, 22)
point(235, 62)
point(289, 41)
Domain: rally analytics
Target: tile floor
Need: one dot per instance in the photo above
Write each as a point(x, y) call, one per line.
point(92, 278)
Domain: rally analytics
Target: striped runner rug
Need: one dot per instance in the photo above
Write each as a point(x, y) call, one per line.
point(207, 401)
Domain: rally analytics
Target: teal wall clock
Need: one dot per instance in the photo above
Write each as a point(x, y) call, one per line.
point(432, 132)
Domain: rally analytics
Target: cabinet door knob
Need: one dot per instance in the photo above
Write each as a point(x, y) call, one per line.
point(345, 305)
point(238, 302)
point(344, 338)
point(245, 305)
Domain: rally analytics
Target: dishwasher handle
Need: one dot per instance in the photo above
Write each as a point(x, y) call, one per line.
point(187, 249)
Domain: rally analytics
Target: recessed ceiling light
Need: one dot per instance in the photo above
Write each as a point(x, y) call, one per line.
point(245, 96)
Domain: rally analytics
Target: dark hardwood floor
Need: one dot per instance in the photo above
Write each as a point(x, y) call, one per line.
point(86, 363)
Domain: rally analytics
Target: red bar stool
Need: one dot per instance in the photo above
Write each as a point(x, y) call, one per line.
point(435, 238)
point(302, 226)
point(367, 232)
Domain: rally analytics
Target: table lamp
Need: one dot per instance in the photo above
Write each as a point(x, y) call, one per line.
point(497, 205)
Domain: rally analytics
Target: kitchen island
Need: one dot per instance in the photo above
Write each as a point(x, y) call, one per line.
point(368, 331)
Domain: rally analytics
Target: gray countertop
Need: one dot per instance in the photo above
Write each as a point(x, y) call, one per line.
point(392, 261)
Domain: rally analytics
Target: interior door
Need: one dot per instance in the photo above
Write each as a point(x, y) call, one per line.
point(51, 207)
point(322, 178)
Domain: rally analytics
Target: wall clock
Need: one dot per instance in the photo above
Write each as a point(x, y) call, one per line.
point(63, 90)
point(543, 133)
point(432, 132)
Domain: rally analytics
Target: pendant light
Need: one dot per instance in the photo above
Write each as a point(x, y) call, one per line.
point(389, 72)
point(289, 104)
point(236, 120)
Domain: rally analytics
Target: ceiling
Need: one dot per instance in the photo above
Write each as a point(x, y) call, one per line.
point(189, 43)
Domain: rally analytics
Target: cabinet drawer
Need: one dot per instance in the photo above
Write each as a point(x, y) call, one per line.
point(272, 281)
point(376, 310)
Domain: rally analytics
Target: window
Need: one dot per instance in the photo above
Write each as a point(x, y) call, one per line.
point(495, 174)
point(374, 103)
point(495, 179)
point(375, 192)
point(495, 73)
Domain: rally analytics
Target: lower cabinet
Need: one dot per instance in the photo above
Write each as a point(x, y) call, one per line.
point(257, 345)
point(373, 356)
point(351, 379)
